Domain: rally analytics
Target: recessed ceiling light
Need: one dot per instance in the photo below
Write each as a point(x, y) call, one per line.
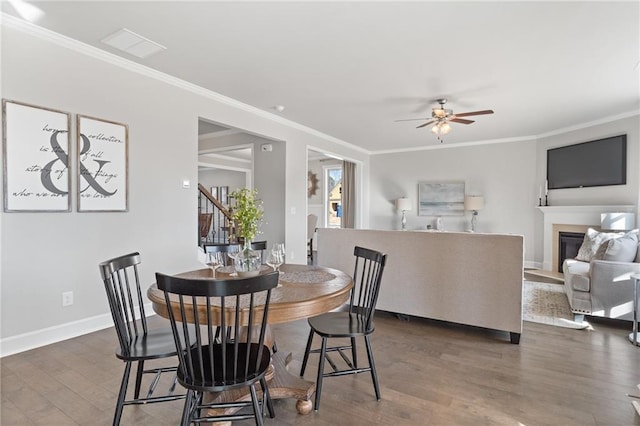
point(279, 108)
point(132, 43)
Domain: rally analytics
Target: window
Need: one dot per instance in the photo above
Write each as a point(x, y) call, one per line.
point(333, 196)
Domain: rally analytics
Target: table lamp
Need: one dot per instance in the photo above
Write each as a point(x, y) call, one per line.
point(474, 203)
point(403, 204)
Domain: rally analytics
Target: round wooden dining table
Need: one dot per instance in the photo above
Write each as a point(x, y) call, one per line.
point(303, 291)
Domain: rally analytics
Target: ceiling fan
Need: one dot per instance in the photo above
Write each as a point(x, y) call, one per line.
point(441, 117)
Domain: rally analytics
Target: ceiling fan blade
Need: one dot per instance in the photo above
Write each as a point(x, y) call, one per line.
point(412, 119)
point(466, 114)
point(426, 124)
point(461, 120)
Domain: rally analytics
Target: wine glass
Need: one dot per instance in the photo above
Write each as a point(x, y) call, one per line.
point(279, 247)
point(232, 252)
point(214, 261)
point(275, 259)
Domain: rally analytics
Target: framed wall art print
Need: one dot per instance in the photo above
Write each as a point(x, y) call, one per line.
point(102, 165)
point(441, 198)
point(35, 147)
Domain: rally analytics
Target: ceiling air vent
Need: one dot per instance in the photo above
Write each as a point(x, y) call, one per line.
point(132, 43)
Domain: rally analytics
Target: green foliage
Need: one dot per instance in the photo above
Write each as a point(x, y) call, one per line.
point(247, 212)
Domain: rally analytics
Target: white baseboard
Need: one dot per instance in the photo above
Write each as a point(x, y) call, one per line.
point(46, 336)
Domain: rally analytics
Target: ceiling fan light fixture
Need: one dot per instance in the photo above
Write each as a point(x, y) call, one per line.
point(439, 113)
point(441, 128)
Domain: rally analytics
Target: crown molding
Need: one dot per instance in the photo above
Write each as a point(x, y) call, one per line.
point(91, 51)
point(456, 145)
point(213, 155)
point(560, 131)
point(220, 134)
point(581, 126)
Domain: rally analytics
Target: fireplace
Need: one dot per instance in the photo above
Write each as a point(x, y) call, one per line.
point(569, 219)
point(568, 245)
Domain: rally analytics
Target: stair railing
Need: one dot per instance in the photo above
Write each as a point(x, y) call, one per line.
point(215, 225)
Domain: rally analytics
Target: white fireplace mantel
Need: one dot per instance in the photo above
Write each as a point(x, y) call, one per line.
point(571, 215)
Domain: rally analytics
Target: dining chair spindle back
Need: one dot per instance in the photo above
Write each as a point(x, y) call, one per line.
point(355, 322)
point(137, 343)
point(229, 361)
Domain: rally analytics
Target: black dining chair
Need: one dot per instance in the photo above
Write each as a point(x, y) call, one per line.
point(233, 362)
point(357, 321)
point(137, 343)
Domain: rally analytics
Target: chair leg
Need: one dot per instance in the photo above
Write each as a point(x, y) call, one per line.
point(306, 353)
point(354, 355)
point(323, 353)
point(374, 374)
point(122, 394)
point(139, 374)
point(186, 411)
point(256, 406)
point(265, 393)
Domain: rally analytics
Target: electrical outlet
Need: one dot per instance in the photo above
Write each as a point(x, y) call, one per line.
point(67, 298)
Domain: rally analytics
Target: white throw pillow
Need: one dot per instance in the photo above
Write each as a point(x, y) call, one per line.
point(623, 249)
point(592, 241)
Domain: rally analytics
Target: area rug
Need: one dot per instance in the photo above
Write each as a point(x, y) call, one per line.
point(547, 304)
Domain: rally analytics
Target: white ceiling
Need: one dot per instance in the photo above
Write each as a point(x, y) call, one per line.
point(350, 69)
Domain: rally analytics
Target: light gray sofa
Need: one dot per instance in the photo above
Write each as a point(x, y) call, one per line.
point(465, 278)
point(600, 284)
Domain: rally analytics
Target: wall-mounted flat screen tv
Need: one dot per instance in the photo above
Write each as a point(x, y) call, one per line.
point(596, 163)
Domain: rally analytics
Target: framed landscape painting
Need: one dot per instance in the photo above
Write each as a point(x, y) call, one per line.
point(441, 199)
point(35, 147)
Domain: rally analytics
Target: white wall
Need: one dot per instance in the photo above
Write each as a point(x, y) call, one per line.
point(45, 254)
point(218, 177)
point(503, 173)
point(269, 171)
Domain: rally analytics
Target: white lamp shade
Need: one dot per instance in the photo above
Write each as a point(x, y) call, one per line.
point(617, 221)
point(474, 202)
point(403, 204)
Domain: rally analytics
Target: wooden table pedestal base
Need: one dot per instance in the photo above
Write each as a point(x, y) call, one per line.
point(282, 384)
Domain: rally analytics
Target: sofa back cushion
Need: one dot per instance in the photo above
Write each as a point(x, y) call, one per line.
point(592, 241)
point(622, 249)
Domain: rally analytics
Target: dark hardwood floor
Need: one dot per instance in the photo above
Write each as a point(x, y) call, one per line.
point(431, 373)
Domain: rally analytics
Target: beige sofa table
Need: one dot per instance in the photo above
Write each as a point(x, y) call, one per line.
point(466, 278)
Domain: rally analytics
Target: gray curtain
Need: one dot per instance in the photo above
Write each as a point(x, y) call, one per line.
point(348, 195)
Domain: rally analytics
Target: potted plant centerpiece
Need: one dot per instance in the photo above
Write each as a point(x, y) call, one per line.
point(247, 215)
